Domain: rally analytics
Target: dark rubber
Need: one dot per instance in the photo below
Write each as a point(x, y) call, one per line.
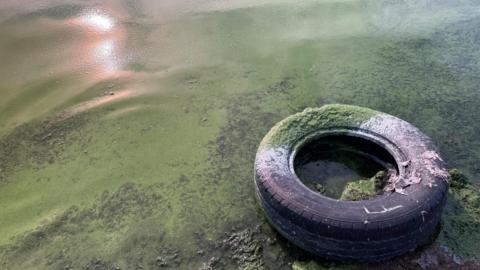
point(370, 230)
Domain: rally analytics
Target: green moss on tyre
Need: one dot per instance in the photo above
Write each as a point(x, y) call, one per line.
point(358, 190)
point(364, 189)
point(313, 119)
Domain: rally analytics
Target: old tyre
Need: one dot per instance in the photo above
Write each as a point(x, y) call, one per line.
point(369, 230)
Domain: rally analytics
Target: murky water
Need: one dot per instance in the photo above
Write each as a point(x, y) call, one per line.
point(129, 128)
point(328, 164)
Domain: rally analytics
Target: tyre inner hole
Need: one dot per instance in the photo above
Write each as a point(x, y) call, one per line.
point(338, 166)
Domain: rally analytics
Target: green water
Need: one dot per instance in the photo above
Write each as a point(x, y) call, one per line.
point(128, 129)
point(329, 164)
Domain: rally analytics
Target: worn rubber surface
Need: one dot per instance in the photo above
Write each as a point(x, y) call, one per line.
point(369, 230)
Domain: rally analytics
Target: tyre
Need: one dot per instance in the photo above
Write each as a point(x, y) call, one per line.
point(376, 229)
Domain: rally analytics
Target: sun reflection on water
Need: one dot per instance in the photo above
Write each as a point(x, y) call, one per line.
point(105, 52)
point(101, 44)
point(100, 22)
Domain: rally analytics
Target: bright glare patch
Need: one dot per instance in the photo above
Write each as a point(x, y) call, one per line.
point(105, 48)
point(98, 21)
point(105, 53)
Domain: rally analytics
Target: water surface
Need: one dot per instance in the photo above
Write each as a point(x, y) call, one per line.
point(128, 129)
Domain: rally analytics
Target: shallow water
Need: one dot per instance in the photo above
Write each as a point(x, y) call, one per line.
point(129, 128)
point(328, 164)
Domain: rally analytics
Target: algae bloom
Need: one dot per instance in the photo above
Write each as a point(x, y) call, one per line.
point(128, 129)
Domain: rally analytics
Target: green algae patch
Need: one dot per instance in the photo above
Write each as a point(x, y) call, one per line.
point(320, 188)
point(358, 190)
point(287, 132)
point(312, 265)
point(457, 179)
point(57, 243)
point(364, 189)
point(37, 142)
point(140, 184)
point(461, 218)
point(180, 177)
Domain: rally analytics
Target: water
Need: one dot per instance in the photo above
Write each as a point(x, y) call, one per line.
point(129, 128)
point(333, 162)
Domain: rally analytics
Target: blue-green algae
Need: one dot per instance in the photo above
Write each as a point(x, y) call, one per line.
point(310, 120)
point(364, 189)
point(157, 171)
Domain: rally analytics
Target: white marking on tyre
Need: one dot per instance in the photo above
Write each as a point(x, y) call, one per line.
point(385, 210)
point(423, 212)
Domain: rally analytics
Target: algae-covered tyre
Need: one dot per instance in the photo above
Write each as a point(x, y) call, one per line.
point(368, 230)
